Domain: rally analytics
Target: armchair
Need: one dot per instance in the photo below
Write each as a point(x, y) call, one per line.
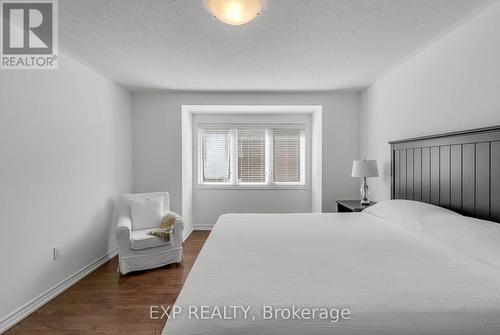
point(139, 250)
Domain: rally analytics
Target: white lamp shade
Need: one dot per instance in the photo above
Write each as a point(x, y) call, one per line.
point(364, 168)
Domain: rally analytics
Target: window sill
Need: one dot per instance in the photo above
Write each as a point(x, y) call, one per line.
point(250, 187)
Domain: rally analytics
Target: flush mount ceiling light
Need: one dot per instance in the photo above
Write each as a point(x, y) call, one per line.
point(234, 12)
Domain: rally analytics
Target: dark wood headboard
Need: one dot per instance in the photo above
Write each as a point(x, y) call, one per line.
point(459, 171)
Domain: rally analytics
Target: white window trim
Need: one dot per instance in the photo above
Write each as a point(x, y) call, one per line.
point(269, 184)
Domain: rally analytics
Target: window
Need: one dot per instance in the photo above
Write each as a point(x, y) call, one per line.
point(215, 155)
point(251, 155)
point(286, 155)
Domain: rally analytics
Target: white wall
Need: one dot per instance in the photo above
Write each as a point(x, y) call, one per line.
point(452, 85)
point(66, 150)
point(157, 138)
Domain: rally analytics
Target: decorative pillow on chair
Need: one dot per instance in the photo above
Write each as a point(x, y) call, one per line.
point(146, 213)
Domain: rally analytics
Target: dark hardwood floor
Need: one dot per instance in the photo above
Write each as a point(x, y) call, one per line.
point(106, 303)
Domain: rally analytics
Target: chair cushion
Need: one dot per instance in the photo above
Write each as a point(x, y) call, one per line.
point(140, 239)
point(146, 213)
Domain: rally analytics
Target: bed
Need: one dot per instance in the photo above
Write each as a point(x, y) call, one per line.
point(399, 267)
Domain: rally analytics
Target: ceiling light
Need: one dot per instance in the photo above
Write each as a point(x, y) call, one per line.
point(234, 12)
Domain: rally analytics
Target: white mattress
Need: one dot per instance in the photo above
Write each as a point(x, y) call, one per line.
point(394, 280)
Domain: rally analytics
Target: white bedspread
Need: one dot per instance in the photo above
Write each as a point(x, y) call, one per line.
point(394, 280)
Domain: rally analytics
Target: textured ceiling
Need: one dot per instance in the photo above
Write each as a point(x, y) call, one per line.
point(293, 45)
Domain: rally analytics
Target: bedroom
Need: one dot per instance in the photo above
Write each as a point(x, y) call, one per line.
point(266, 117)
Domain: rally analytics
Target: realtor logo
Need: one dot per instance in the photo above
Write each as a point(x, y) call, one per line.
point(29, 34)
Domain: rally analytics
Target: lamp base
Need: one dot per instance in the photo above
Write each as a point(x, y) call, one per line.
point(365, 202)
point(364, 193)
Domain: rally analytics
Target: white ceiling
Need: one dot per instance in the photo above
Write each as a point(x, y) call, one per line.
point(293, 45)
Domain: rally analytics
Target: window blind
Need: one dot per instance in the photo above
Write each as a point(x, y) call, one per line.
point(287, 155)
point(245, 155)
point(215, 145)
point(251, 155)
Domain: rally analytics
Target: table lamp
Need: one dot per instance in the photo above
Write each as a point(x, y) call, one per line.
point(363, 169)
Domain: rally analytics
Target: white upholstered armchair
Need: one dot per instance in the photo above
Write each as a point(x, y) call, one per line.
point(137, 249)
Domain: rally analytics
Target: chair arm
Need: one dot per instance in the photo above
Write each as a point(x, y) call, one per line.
point(123, 228)
point(178, 228)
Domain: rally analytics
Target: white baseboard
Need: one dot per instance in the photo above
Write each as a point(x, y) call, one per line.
point(203, 226)
point(31, 306)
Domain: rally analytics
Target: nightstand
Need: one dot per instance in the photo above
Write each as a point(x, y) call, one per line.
point(344, 206)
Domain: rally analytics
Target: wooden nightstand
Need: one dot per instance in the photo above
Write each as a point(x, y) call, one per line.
point(351, 206)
